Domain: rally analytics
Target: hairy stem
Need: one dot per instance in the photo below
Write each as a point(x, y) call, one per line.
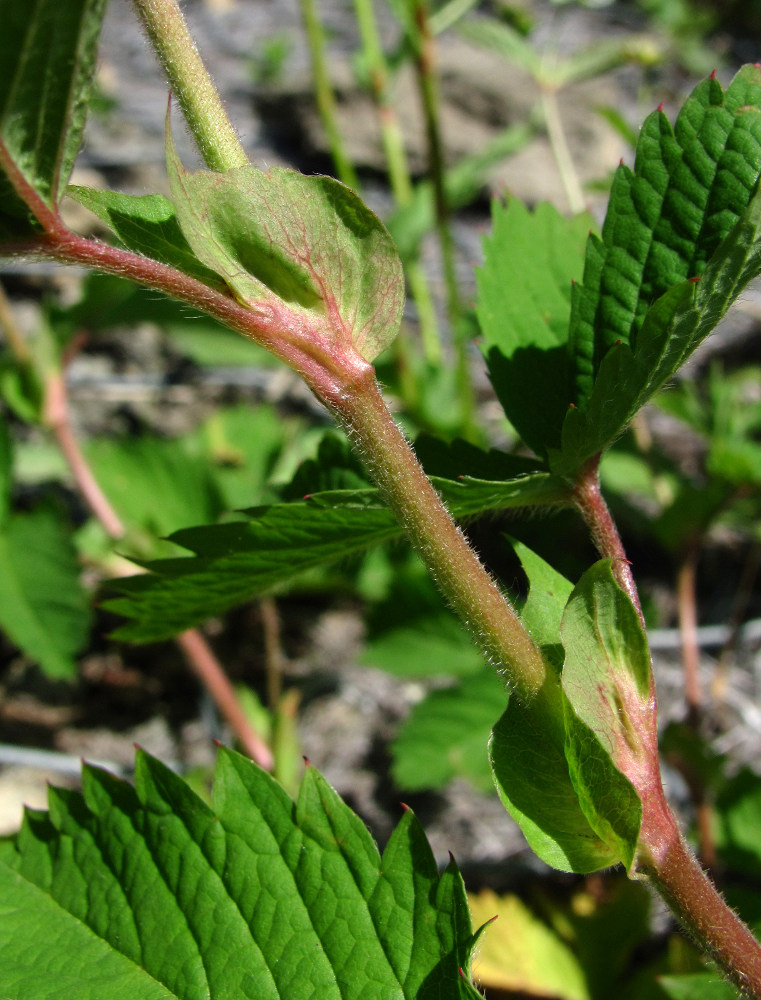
point(590, 503)
point(462, 578)
point(675, 873)
point(195, 90)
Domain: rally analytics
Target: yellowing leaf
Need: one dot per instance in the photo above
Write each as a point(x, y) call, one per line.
point(519, 952)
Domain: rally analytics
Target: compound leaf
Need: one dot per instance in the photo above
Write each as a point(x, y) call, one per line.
point(148, 893)
point(665, 220)
point(673, 327)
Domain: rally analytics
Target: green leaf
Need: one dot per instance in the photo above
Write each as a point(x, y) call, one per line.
point(698, 986)
point(236, 562)
point(411, 632)
point(148, 893)
point(43, 607)
point(673, 327)
point(667, 218)
point(6, 471)
point(303, 249)
point(524, 304)
point(447, 735)
point(47, 59)
point(527, 748)
point(147, 225)
point(608, 685)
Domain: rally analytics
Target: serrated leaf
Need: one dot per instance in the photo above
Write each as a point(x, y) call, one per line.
point(608, 685)
point(303, 249)
point(524, 304)
point(236, 562)
point(665, 220)
point(47, 60)
point(447, 734)
point(673, 327)
point(43, 607)
point(146, 224)
point(149, 893)
point(527, 747)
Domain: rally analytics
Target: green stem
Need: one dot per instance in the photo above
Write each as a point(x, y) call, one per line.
point(323, 88)
point(198, 97)
point(427, 83)
point(460, 575)
point(398, 170)
point(561, 151)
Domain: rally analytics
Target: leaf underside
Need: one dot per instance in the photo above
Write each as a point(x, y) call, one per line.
point(149, 894)
point(305, 250)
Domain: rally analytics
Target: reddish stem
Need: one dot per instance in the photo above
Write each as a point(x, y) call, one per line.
point(207, 668)
point(704, 913)
point(688, 627)
point(591, 505)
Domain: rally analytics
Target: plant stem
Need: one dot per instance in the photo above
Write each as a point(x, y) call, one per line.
point(326, 102)
point(208, 669)
point(398, 170)
point(560, 150)
point(590, 503)
point(464, 581)
point(688, 626)
point(198, 97)
point(427, 83)
point(57, 418)
point(717, 930)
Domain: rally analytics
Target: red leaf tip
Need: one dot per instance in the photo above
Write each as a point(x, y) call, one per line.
point(217, 743)
point(451, 858)
point(713, 75)
point(404, 806)
point(307, 496)
point(571, 406)
point(660, 106)
point(307, 761)
point(694, 280)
